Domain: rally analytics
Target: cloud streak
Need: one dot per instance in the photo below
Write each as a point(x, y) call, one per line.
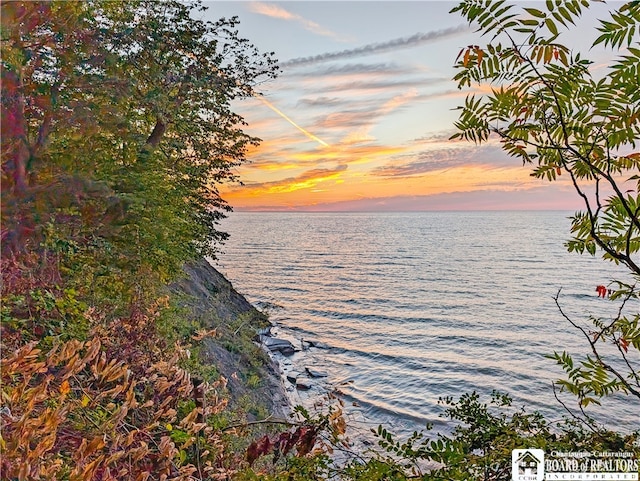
point(436, 160)
point(352, 69)
point(374, 48)
point(433, 162)
point(275, 11)
point(373, 85)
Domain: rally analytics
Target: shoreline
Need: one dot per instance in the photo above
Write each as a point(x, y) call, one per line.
point(318, 392)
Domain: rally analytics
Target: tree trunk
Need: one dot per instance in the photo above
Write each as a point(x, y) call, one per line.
point(158, 132)
point(14, 131)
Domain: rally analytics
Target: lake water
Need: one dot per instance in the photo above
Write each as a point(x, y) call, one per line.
point(414, 306)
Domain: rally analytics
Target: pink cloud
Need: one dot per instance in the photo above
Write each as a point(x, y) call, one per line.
point(275, 11)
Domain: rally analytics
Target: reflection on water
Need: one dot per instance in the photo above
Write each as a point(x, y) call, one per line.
point(416, 306)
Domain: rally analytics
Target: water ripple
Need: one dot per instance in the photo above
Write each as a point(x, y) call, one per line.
point(416, 306)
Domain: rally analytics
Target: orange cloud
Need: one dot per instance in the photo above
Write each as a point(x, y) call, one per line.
point(271, 10)
point(398, 101)
point(346, 185)
point(306, 180)
point(281, 154)
point(363, 134)
point(349, 153)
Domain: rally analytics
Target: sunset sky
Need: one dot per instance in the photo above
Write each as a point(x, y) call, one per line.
point(360, 117)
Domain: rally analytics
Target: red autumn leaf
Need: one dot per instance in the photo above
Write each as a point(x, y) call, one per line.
point(282, 445)
point(307, 441)
point(602, 291)
point(624, 344)
point(258, 448)
point(291, 440)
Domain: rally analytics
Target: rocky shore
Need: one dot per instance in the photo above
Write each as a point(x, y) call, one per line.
point(292, 373)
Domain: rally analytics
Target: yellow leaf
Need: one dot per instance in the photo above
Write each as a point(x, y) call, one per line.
point(143, 476)
point(96, 444)
point(130, 438)
point(169, 427)
point(202, 333)
point(88, 471)
point(85, 401)
point(115, 457)
point(45, 445)
point(191, 417)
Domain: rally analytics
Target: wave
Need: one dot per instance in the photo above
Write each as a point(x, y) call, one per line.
point(415, 306)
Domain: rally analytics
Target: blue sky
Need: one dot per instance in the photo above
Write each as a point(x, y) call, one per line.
point(360, 117)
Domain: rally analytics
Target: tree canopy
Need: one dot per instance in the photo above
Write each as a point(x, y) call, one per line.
point(117, 129)
point(127, 104)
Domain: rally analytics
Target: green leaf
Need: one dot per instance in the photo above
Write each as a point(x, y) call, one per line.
point(565, 13)
point(535, 12)
point(551, 26)
point(529, 22)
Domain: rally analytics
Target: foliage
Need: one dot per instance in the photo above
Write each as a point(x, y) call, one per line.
point(73, 412)
point(480, 445)
point(117, 406)
point(123, 107)
point(549, 108)
point(117, 128)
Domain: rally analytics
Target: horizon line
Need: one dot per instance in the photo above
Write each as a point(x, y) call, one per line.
point(369, 211)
